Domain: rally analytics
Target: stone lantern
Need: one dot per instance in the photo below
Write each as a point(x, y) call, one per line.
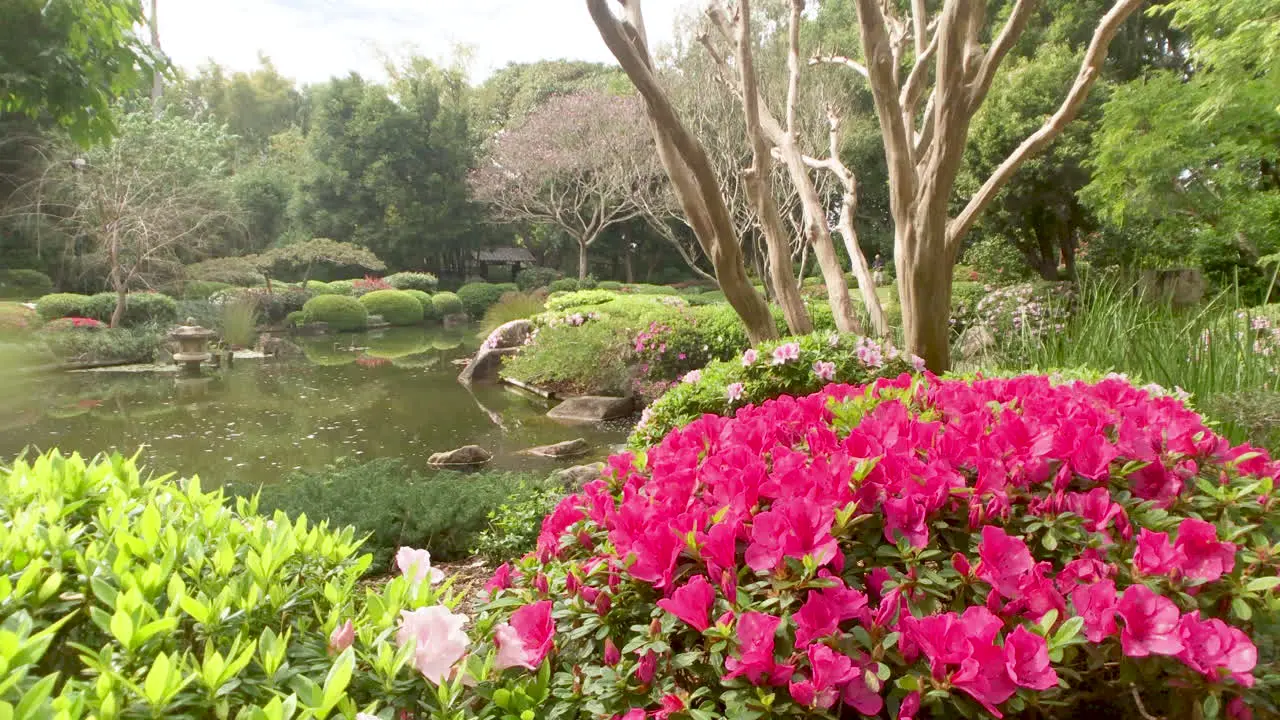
point(193, 344)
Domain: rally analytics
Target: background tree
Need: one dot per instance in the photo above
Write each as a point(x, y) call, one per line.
point(68, 60)
point(576, 162)
point(300, 259)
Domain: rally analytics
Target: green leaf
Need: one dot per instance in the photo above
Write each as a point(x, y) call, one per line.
point(156, 686)
point(335, 683)
point(1211, 707)
point(1241, 609)
point(1262, 584)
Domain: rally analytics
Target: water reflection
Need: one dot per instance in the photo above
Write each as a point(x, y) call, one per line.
point(387, 394)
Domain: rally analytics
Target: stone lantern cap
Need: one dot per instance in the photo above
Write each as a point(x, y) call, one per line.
point(191, 331)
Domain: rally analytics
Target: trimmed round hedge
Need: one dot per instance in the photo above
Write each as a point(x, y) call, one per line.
point(532, 278)
point(478, 297)
point(447, 304)
point(395, 306)
point(60, 305)
point(423, 297)
point(24, 284)
point(339, 311)
point(564, 285)
point(423, 281)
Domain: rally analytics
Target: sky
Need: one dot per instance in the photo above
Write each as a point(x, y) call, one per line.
point(313, 40)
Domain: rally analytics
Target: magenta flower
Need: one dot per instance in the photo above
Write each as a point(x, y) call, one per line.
point(1217, 650)
point(858, 695)
point(816, 619)
point(984, 675)
point(906, 517)
point(1005, 561)
point(910, 706)
point(785, 353)
point(437, 637)
point(829, 670)
point(342, 637)
point(501, 579)
point(825, 370)
point(1204, 557)
point(734, 392)
point(647, 666)
point(527, 639)
point(749, 357)
point(612, 655)
point(755, 651)
point(416, 565)
point(1150, 623)
point(1027, 658)
point(1096, 603)
point(691, 603)
point(1155, 555)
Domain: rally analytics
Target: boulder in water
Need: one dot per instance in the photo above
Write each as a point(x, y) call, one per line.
point(466, 456)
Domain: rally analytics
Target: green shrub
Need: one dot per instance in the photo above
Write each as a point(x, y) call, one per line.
point(563, 285)
point(159, 578)
point(532, 278)
point(423, 297)
point(725, 385)
point(423, 281)
point(996, 261)
point(239, 271)
point(395, 306)
point(592, 359)
point(580, 298)
point(646, 289)
point(60, 305)
point(201, 289)
point(611, 285)
point(106, 345)
point(323, 288)
point(339, 311)
point(395, 506)
point(295, 318)
point(965, 295)
point(340, 287)
point(24, 284)
point(587, 283)
point(16, 319)
point(478, 297)
point(447, 304)
point(512, 306)
point(144, 308)
point(514, 525)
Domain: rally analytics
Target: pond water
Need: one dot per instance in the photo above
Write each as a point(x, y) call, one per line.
point(389, 393)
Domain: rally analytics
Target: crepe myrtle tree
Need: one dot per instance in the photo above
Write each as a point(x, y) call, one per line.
point(929, 73)
point(576, 163)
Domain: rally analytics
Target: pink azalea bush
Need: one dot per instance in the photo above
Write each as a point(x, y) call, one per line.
point(794, 366)
point(911, 548)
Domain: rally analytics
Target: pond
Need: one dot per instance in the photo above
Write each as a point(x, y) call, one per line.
point(388, 393)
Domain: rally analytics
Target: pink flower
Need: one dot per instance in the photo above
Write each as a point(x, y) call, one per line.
point(1150, 623)
point(437, 637)
point(1238, 709)
point(670, 705)
point(1215, 649)
point(612, 656)
point(749, 357)
point(501, 579)
point(1204, 557)
point(342, 637)
point(755, 651)
point(984, 675)
point(416, 565)
point(1027, 658)
point(1096, 603)
point(734, 392)
point(527, 639)
point(829, 670)
point(906, 517)
point(917, 364)
point(1155, 555)
point(871, 356)
point(1005, 561)
point(691, 603)
point(647, 666)
point(691, 377)
point(785, 353)
point(910, 706)
point(825, 370)
point(816, 619)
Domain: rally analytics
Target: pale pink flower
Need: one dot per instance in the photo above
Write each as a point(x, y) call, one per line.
point(917, 362)
point(511, 651)
point(749, 357)
point(437, 637)
point(416, 565)
point(692, 376)
point(786, 353)
point(734, 391)
point(825, 370)
point(342, 637)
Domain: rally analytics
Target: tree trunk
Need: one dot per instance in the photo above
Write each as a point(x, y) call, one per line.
point(117, 281)
point(627, 270)
point(861, 272)
point(924, 292)
point(582, 260)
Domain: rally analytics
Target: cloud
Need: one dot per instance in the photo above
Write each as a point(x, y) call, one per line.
point(313, 40)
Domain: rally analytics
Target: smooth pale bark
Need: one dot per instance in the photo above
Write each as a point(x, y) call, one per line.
point(923, 163)
point(688, 167)
point(759, 187)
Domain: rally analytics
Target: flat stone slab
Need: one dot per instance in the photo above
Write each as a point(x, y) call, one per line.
point(566, 449)
point(575, 477)
point(593, 408)
point(466, 456)
point(485, 366)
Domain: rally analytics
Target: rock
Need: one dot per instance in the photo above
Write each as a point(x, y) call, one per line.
point(509, 335)
point(976, 341)
point(1180, 288)
point(566, 449)
point(467, 456)
point(269, 345)
point(593, 408)
point(376, 323)
point(575, 477)
point(485, 366)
